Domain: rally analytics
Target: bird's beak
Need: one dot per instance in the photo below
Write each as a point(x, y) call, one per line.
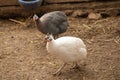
point(45, 39)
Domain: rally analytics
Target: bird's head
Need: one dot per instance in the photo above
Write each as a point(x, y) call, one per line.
point(48, 38)
point(35, 18)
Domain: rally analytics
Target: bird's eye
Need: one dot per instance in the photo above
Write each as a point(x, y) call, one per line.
point(46, 37)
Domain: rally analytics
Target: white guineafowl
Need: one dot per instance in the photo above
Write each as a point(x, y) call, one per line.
point(67, 49)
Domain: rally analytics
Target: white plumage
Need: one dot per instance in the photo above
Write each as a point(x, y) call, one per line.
point(67, 49)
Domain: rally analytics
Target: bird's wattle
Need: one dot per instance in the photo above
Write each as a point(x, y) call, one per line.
point(49, 40)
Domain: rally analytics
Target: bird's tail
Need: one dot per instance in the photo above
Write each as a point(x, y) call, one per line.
point(83, 51)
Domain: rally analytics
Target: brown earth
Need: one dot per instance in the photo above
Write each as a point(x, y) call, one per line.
point(23, 55)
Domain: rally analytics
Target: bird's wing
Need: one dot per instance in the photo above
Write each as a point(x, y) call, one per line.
point(63, 27)
point(55, 22)
point(60, 21)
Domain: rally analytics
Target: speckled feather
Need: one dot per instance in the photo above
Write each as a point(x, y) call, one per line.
point(53, 22)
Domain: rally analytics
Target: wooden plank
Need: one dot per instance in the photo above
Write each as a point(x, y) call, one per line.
point(92, 5)
point(8, 2)
point(17, 10)
point(64, 1)
point(15, 2)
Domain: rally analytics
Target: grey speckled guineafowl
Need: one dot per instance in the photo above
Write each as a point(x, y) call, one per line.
point(53, 23)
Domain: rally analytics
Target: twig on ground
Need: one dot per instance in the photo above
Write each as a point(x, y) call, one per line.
point(100, 21)
point(88, 27)
point(19, 22)
point(117, 40)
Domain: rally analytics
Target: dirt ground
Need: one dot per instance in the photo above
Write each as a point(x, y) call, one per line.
point(23, 55)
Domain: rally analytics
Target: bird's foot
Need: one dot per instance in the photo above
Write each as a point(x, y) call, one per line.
point(56, 73)
point(76, 66)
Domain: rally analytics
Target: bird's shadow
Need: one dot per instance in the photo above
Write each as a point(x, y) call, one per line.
point(75, 74)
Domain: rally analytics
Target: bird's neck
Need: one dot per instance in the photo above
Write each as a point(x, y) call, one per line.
point(51, 43)
point(39, 23)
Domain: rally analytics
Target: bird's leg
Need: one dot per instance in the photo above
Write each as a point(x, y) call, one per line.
point(76, 66)
point(58, 71)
